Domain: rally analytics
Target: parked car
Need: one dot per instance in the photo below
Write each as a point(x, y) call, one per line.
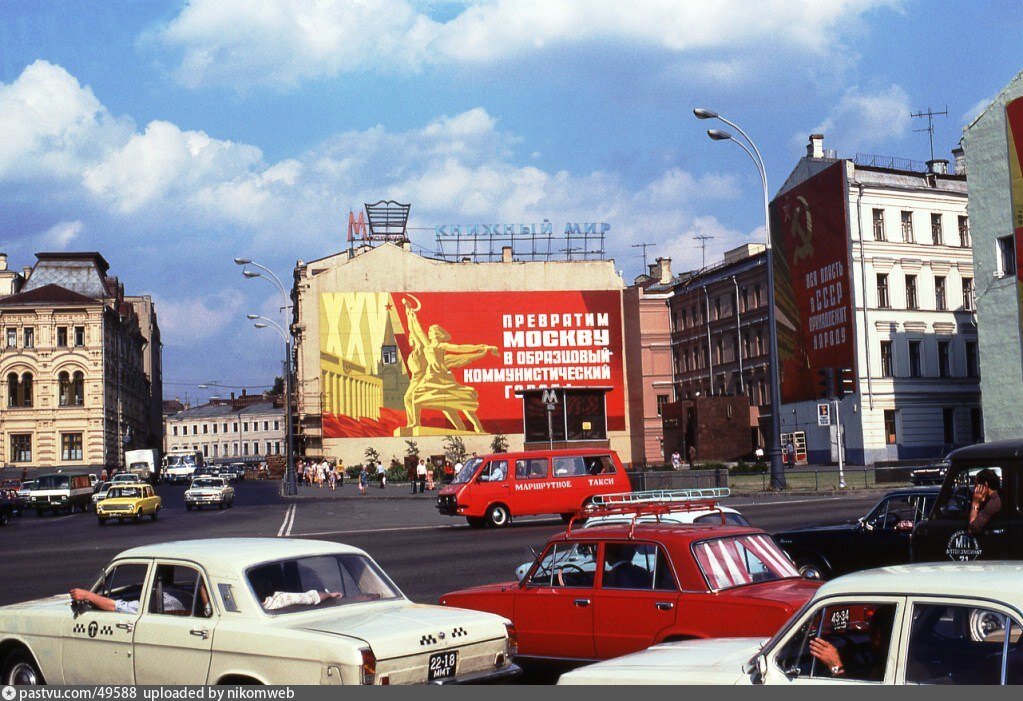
point(596, 593)
point(945, 533)
point(209, 491)
point(238, 622)
point(25, 495)
point(125, 501)
point(879, 538)
point(61, 491)
point(941, 623)
point(10, 483)
point(8, 505)
point(101, 492)
point(494, 489)
point(234, 470)
point(933, 474)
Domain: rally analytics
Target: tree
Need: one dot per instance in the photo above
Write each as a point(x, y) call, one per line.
point(413, 449)
point(372, 455)
point(278, 388)
point(499, 444)
point(454, 449)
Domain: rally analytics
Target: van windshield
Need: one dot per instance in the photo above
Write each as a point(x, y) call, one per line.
point(467, 471)
point(180, 460)
point(53, 482)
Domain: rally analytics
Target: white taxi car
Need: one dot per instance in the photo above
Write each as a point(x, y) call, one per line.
point(248, 611)
point(945, 623)
point(209, 491)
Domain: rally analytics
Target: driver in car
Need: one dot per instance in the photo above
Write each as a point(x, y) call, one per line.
point(985, 502)
point(880, 637)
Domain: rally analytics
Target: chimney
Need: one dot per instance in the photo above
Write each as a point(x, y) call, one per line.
point(960, 160)
point(664, 266)
point(506, 254)
point(406, 245)
point(3, 261)
point(26, 271)
point(653, 270)
point(815, 149)
point(939, 166)
point(232, 396)
point(243, 392)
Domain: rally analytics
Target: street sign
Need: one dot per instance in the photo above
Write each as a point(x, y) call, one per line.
point(550, 398)
point(823, 414)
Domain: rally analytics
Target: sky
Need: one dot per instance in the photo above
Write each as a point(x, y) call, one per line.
point(173, 136)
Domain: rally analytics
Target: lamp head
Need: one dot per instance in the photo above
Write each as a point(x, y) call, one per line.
point(259, 325)
point(252, 316)
point(242, 261)
point(704, 114)
point(251, 273)
point(718, 135)
point(203, 386)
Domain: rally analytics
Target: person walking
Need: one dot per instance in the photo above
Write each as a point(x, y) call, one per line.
point(363, 480)
point(449, 472)
point(300, 472)
point(676, 461)
point(692, 455)
point(331, 479)
point(411, 473)
point(381, 475)
point(421, 475)
point(790, 455)
point(429, 478)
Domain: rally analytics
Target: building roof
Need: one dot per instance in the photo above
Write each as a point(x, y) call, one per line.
point(718, 272)
point(217, 409)
point(991, 580)
point(47, 294)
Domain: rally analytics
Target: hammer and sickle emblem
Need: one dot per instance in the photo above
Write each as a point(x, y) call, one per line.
point(93, 629)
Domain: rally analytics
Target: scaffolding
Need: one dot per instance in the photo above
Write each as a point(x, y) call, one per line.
point(487, 243)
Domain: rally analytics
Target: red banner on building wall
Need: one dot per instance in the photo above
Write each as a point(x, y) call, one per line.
point(449, 363)
point(813, 295)
point(1014, 135)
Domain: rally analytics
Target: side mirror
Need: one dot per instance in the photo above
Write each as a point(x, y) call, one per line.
point(864, 526)
point(756, 668)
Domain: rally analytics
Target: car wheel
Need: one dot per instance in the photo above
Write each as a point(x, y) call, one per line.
point(230, 503)
point(475, 521)
point(153, 515)
point(498, 516)
point(566, 517)
point(20, 669)
point(4, 518)
point(39, 513)
point(984, 624)
point(188, 507)
point(220, 505)
point(810, 568)
point(101, 521)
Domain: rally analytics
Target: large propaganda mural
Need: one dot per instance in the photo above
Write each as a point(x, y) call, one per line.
point(813, 296)
point(449, 363)
point(1014, 128)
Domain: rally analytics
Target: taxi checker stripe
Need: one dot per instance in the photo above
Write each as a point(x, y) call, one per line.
point(459, 632)
point(428, 640)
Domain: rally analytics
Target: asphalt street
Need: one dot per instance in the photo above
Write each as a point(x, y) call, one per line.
point(425, 553)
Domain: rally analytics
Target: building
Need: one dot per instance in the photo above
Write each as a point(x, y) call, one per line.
point(648, 349)
point(874, 272)
point(72, 365)
point(223, 429)
point(399, 352)
point(152, 365)
point(993, 159)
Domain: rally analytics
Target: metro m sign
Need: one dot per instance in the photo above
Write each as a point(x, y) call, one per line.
point(357, 226)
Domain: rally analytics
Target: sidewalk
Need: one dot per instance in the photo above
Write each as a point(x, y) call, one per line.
point(350, 490)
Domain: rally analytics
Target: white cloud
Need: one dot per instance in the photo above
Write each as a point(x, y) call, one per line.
point(183, 321)
point(975, 111)
point(284, 42)
point(59, 236)
point(865, 119)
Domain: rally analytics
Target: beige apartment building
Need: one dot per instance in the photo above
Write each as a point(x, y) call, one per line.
point(72, 364)
point(226, 430)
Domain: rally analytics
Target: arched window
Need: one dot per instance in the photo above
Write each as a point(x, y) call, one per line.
point(12, 390)
point(64, 389)
point(26, 389)
point(78, 388)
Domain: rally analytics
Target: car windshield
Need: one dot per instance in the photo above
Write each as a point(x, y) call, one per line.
point(741, 560)
point(139, 466)
point(207, 483)
point(289, 586)
point(467, 471)
point(124, 492)
point(53, 482)
point(28, 486)
point(104, 487)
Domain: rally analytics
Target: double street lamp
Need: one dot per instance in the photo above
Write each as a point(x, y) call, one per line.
point(774, 440)
point(290, 483)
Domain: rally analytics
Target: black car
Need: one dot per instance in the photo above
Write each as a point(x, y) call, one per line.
point(879, 538)
point(9, 505)
point(945, 533)
point(931, 474)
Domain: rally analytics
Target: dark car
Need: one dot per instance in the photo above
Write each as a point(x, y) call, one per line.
point(9, 505)
point(879, 538)
point(931, 474)
point(945, 533)
point(235, 471)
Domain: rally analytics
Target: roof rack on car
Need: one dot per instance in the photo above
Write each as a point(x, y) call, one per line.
point(656, 503)
point(661, 495)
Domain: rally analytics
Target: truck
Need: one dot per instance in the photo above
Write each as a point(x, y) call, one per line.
point(179, 465)
point(144, 464)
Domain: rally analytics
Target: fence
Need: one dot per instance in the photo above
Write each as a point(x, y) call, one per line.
point(804, 480)
point(682, 479)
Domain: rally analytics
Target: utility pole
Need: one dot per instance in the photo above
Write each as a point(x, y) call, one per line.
point(644, 246)
point(930, 124)
point(703, 239)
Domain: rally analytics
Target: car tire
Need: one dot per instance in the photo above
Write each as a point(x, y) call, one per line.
point(4, 518)
point(230, 503)
point(153, 516)
point(39, 513)
point(498, 516)
point(475, 521)
point(101, 521)
point(20, 669)
point(188, 507)
point(811, 568)
point(220, 505)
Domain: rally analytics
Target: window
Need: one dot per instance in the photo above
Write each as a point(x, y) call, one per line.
point(266, 425)
point(234, 427)
point(123, 583)
point(760, 343)
point(956, 644)
point(972, 366)
point(734, 562)
point(636, 566)
point(494, 471)
point(956, 500)
point(879, 234)
point(584, 465)
point(269, 445)
point(78, 388)
point(890, 435)
point(277, 425)
point(944, 369)
point(976, 425)
point(21, 447)
point(29, 335)
point(214, 428)
point(720, 352)
point(1006, 257)
point(937, 238)
point(939, 294)
point(886, 359)
point(389, 355)
point(179, 591)
point(756, 294)
point(19, 390)
point(12, 338)
point(71, 446)
point(717, 307)
point(968, 294)
point(566, 565)
point(62, 336)
point(531, 469)
point(216, 448)
point(79, 336)
point(662, 399)
point(174, 430)
point(893, 513)
point(63, 389)
point(205, 451)
point(882, 291)
point(224, 427)
point(245, 448)
point(861, 630)
point(911, 302)
point(277, 447)
point(907, 227)
point(245, 425)
point(354, 576)
point(964, 232)
point(915, 365)
point(205, 428)
point(948, 425)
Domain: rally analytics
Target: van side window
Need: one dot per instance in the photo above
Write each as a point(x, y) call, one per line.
point(494, 471)
point(569, 467)
point(600, 465)
point(531, 469)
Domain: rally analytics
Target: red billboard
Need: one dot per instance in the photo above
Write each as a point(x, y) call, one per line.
point(1014, 135)
point(449, 363)
point(813, 295)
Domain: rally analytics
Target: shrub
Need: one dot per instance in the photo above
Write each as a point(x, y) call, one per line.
point(499, 444)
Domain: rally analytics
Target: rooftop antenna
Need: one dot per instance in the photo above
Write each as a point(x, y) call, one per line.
point(930, 123)
point(644, 246)
point(703, 239)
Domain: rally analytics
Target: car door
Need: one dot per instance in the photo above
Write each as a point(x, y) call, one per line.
point(177, 625)
point(636, 598)
point(945, 535)
point(884, 534)
point(531, 487)
point(554, 606)
point(491, 487)
point(97, 645)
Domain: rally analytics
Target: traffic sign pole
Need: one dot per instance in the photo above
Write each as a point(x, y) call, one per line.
point(841, 448)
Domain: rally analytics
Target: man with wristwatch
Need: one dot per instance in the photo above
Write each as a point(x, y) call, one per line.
point(985, 502)
point(881, 623)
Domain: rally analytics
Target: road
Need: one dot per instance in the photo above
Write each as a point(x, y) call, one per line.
point(425, 553)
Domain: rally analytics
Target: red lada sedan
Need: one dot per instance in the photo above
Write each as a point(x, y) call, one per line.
point(598, 593)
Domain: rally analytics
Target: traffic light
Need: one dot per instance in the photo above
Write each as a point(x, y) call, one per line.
point(846, 382)
point(827, 382)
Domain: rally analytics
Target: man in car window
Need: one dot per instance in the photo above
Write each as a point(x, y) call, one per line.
point(105, 603)
point(986, 502)
point(870, 670)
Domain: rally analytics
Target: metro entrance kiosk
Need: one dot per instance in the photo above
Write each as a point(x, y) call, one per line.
point(564, 417)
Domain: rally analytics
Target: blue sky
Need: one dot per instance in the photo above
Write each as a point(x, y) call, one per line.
point(172, 136)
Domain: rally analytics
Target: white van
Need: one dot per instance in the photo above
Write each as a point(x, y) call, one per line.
point(61, 492)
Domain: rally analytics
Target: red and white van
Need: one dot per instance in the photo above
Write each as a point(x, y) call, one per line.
point(492, 489)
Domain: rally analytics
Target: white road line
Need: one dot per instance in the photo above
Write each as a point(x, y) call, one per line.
point(43, 519)
point(291, 522)
point(289, 514)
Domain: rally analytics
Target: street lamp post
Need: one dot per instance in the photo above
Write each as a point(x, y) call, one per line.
point(290, 483)
point(774, 442)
